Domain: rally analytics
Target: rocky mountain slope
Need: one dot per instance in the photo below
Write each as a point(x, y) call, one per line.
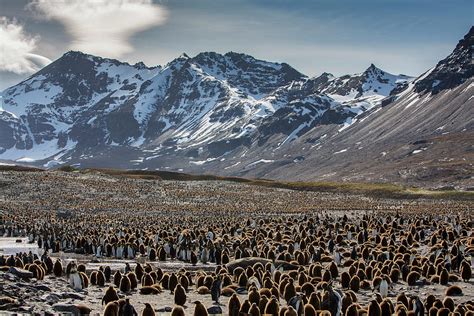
point(233, 114)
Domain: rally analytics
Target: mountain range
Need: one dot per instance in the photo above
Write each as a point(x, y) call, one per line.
point(236, 115)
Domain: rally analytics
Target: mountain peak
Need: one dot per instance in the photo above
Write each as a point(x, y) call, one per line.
point(77, 54)
point(372, 69)
point(452, 71)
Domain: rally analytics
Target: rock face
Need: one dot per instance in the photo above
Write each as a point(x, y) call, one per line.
point(21, 273)
point(452, 71)
point(232, 114)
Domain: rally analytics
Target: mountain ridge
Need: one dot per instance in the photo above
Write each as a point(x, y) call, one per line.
point(205, 112)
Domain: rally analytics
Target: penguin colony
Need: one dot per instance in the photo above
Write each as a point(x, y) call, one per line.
point(270, 262)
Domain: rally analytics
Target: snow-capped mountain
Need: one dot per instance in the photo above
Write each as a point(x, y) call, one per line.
point(81, 101)
point(220, 113)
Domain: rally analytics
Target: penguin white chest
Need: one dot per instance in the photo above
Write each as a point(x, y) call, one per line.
point(383, 288)
point(75, 281)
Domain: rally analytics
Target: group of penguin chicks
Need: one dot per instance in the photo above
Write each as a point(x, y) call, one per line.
point(308, 266)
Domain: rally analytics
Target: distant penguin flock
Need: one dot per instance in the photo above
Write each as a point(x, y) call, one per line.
point(375, 264)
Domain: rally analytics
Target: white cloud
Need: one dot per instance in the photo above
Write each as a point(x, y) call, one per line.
point(102, 27)
point(16, 49)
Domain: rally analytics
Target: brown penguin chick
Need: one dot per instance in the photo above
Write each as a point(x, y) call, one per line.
point(355, 283)
point(307, 288)
point(315, 301)
point(412, 278)
point(133, 280)
point(85, 279)
point(172, 282)
point(58, 268)
point(148, 310)
point(374, 309)
point(402, 298)
point(152, 255)
point(139, 271)
point(165, 280)
point(83, 309)
point(178, 311)
point(352, 310)
point(460, 310)
point(438, 304)
point(200, 309)
point(254, 310)
point(290, 291)
point(327, 276)
point(184, 281)
point(466, 271)
point(110, 295)
point(265, 292)
point(386, 308)
point(272, 307)
point(161, 254)
point(254, 295)
point(433, 311)
point(333, 269)
point(346, 302)
point(107, 273)
point(242, 281)
point(401, 310)
point(281, 286)
point(453, 290)
point(244, 308)
point(225, 258)
point(93, 278)
point(19, 263)
point(147, 280)
point(263, 303)
point(117, 278)
point(112, 309)
point(429, 301)
point(309, 310)
point(69, 267)
point(444, 277)
point(443, 312)
point(37, 272)
point(234, 305)
point(81, 267)
point(194, 258)
point(290, 311)
point(227, 291)
point(394, 275)
point(345, 279)
point(147, 290)
point(449, 303)
point(125, 284)
point(179, 295)
point(203, 290)
point(100, 278)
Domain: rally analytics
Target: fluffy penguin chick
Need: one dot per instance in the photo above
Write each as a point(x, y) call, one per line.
point(179, 295)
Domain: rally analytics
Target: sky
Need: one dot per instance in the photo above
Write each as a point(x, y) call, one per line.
point(313, 36)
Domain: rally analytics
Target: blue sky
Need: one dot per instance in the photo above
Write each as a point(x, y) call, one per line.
point(340, 37)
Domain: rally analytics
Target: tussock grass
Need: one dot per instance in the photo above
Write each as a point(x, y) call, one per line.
point(375, 190)
point(19, 168)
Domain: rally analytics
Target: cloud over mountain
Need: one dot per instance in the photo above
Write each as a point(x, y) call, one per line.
point(99, 26)
point(16, 49)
